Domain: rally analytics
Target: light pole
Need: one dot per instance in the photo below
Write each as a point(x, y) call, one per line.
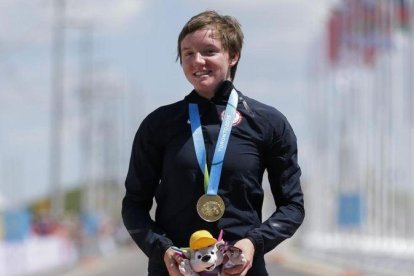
point(56, 120)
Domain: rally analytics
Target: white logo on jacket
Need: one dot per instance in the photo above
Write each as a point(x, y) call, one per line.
point(237, 118)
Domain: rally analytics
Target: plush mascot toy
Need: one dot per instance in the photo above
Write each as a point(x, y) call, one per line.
point(207, 256)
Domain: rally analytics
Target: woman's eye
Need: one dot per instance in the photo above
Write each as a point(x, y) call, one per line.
point(211, 52)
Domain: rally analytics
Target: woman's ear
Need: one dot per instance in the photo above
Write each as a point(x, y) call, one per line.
point(234, 59)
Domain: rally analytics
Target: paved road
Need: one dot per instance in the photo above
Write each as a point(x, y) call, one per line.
point(130, 261)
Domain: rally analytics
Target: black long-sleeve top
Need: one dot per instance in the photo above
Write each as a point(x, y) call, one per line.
point(164, 165)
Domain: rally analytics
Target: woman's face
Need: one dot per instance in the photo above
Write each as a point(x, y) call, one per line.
point(205, 63)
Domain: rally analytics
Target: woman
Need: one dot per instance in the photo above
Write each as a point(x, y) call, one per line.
point(203, 159)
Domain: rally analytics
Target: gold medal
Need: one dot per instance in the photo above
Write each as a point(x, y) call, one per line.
point(210, 207)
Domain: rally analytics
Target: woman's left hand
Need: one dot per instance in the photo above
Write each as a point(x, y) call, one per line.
point(247, 248)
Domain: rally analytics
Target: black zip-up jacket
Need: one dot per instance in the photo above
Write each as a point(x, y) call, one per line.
point(164, 165)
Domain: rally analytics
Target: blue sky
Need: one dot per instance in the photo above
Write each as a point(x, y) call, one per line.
point(134, 65)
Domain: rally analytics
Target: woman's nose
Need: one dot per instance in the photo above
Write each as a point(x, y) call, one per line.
point(199, 59)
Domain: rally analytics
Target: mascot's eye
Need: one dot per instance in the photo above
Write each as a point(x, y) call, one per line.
point(199, 257)
point(212, 252)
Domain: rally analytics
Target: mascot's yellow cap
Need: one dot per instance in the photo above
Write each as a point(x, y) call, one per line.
point(200, 239)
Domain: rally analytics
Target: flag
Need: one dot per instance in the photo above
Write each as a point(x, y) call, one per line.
point(334, 36)
point(358, 30)
point(403, 14)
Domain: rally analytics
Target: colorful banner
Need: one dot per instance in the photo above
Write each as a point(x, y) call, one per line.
point(16, 224)
point(350, 210)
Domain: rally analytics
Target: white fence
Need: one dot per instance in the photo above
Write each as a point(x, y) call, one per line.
point(36, 254)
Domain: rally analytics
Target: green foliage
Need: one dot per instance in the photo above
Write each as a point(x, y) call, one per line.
point(73, 201)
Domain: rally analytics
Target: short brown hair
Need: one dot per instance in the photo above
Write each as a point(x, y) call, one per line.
point(226, 27)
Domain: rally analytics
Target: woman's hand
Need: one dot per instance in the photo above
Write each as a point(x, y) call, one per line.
point(172, 260)
point(247, 248)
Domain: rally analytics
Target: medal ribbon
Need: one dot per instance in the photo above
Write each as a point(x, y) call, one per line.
point(211, 182)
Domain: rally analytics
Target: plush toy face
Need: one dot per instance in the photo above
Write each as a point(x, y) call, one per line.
point(206, 259)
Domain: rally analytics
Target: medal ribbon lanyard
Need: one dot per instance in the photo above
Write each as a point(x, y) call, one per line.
point(211, 182)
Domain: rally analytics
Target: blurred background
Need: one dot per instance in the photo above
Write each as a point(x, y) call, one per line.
point(78, 77)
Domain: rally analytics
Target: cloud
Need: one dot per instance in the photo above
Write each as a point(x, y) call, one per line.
point(287, 22)
point(275, 20)
point(25, 40)
point(28, 22)
point(23, 21)
point(110, 82)
point(105, 14)
point(261, 9)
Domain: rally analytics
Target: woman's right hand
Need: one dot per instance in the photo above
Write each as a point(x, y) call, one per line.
point(172, 261)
